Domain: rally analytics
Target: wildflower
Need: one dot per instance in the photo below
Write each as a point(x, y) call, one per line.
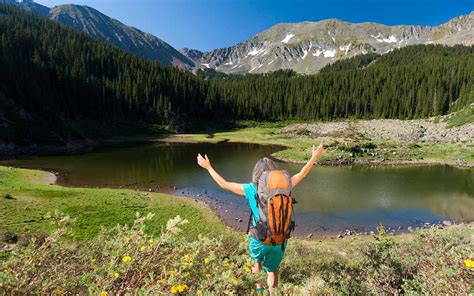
point(181, 288)
point(93, 260)
point(174, 289)
point(116, 275)
point(469, 263)
point(103, 293)
point(126, 259)
point(206, 260)
point(58, 292)
point(226, 264)
point(187, 257)
point(381, 230)
point(162, 281)
point(142, 249)
point(6, 270)
point(151, 242)
point(185, 264)
point(247, 269)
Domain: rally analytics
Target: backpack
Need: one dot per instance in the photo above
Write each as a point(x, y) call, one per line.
point(275, 209)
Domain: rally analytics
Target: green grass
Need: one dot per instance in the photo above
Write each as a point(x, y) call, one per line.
point(461, 117)
point(93, 208)
point(424, 262)
point(298, 148)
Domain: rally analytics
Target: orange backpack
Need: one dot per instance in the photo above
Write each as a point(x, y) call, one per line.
point(275, 208)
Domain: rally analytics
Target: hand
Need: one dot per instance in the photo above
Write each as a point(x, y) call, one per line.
point(204, 162)
point(317, 152)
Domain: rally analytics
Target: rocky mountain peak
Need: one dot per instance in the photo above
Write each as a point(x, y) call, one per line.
point(306, 47)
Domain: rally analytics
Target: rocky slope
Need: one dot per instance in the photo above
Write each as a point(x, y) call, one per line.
point(307, 47)
point(98, 25)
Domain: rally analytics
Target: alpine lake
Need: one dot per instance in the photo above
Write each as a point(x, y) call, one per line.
point(330, 199)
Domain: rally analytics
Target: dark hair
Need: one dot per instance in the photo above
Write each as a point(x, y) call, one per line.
point(262, 165)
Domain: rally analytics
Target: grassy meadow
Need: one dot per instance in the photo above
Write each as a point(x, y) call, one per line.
point(79, 248)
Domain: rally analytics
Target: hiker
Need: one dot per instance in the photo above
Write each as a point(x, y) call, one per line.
point(271, 205)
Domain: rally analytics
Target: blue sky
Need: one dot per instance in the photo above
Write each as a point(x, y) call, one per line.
point(210, 24)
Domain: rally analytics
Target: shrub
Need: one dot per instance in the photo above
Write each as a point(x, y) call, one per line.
point(369, 145)
point(436, 260)
point(127, 260)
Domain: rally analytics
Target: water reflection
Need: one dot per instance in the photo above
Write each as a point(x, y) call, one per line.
point(330, 199)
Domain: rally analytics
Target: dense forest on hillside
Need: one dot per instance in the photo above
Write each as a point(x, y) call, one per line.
point(412, 82)
point(52, 76)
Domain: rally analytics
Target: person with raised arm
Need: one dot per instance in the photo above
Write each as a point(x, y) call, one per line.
point(271, 204)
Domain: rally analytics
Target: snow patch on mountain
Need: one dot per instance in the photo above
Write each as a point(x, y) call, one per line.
point(345, 48)
point(390, 39)
point(256, 51)
point(305, 53)
point(287, 38)
point(317, 53)
point(329, 53)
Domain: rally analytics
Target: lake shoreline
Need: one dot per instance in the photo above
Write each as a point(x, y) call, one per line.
point(366, 142)
point(54, 177)
point(332, 162)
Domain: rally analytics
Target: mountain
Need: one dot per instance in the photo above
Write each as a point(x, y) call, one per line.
point(100, 26)
point(58, 85)
point(308, 46)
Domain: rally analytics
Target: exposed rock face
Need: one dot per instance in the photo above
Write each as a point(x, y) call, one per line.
point(307, 47)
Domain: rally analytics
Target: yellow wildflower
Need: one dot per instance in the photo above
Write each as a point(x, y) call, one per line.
point(185, 264)
point(206, 260)
point(174, 290)
point(469, 263)
point(226, 264)
point(116, 275)
point(58, 292)
point(381, 230)
point(126, 259)
point(247, 269)
point(93, 260)
point(181, 288)
point(6, 270)
point(151, 242)
point(162, 281)
point(187, 257)
point(103, 293)
point(142, 249)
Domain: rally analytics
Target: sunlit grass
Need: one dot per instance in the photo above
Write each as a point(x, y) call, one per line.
point(93, 208)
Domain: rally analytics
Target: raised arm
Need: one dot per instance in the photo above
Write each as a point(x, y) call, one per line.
point(307, 167)
point(236, 188)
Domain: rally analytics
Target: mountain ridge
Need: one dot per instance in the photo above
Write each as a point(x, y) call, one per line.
point(289, 45)
point(101, 26)
point(304, 47)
